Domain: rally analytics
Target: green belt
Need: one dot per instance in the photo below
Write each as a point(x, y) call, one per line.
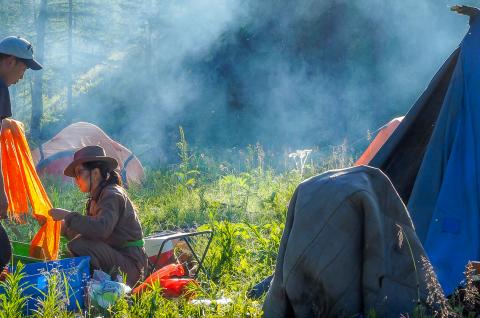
point(137, 243)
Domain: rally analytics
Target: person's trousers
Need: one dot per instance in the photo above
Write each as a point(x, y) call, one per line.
point(5, 248)
point(107, 259)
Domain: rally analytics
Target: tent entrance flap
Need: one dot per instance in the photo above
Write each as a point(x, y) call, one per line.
point(402, 154)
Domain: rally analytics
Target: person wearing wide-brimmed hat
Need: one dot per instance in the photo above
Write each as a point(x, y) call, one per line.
point(110, 232)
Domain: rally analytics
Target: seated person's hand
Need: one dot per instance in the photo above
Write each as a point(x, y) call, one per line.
point(58, 214)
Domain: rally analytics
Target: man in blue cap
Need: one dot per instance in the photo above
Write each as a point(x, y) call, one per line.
point(16, 55)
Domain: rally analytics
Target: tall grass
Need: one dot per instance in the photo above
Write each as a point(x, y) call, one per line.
point(56, 297)
point(11, 300)
point(244, 204)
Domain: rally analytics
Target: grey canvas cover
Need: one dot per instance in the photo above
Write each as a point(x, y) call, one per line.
point(346, 249)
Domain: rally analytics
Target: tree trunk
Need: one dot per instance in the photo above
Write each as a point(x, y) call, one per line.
point(37, 89)
point(70, 66)
point(148, 42)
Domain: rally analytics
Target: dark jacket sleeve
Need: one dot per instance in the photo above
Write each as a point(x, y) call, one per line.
point(100, 226)
point(3, 194)
point(276, 303)
point(5, 105)
point(5, 248)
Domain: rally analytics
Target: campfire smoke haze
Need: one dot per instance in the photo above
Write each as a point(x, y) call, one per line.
point(285, 74)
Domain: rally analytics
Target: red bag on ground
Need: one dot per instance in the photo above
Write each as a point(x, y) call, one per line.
point(175, 286)
point(169, 278)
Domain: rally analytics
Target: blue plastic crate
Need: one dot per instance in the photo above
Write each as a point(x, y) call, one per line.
point(35, 281)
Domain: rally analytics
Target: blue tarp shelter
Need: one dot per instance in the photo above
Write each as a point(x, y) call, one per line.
point(433, 159)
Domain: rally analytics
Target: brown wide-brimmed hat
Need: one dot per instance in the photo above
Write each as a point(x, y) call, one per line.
point(90, 154)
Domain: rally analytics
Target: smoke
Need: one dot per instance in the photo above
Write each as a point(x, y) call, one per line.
point(313, 73)
point(144, 101)
point(232, 73)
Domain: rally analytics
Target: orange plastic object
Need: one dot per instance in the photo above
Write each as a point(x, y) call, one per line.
point(378, 141)
point(164, 272)
point(22, 185)
point(175, 286)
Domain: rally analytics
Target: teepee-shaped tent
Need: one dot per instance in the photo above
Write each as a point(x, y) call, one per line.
point(433, 159)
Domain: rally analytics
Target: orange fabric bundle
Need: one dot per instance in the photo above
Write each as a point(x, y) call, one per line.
point(23, 185)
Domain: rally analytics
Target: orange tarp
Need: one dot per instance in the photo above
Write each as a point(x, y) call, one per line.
point(22, 185)
point(378, 142)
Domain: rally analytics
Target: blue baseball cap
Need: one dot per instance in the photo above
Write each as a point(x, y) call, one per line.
point(21, 49)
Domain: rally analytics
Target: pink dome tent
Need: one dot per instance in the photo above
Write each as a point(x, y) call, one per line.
point(52, 157)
